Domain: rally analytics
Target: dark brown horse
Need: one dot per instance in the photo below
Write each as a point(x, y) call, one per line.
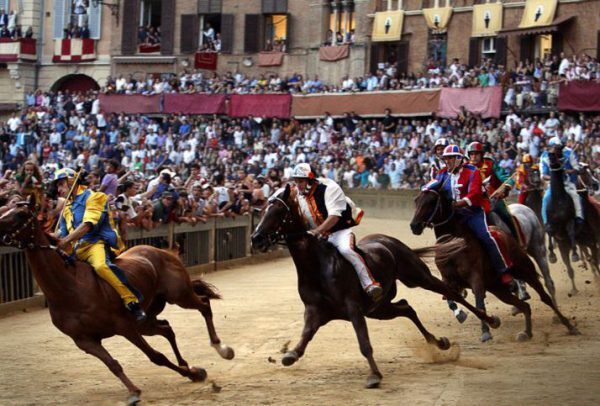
point(88, 310)
point(328, 284)
point(471, 267)
point(587, 186)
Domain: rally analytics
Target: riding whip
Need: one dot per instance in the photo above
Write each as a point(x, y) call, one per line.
point(502, 185)
point(67, 200)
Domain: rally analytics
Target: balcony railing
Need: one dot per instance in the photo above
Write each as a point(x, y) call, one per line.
point(74, 50)
point(13, 50)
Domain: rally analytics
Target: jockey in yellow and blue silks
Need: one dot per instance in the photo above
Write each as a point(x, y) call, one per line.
point(87, 231)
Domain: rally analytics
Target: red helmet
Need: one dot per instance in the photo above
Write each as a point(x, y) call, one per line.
point(475, 147)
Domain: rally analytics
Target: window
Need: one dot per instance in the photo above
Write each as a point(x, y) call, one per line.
point(150, 13)
point(76, 19)
point(276, 32)
point(273, 26)
point(342, 23)
point(437, 47)
point(488, 48)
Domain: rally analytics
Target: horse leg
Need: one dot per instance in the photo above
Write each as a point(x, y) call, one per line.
point(362, 333)
point(312, 322)
point(194, 374)
point(94, 347)
point(459, 313)
point(564, 253)
point(538, 252)
point(571, 233)
point(163, 328)
point(551, 254)
point(479, 293)
point(402, 309)
point(503, 293)
point(193, 301)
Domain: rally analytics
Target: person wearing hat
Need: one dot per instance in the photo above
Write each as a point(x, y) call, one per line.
point(524, 172)
point(88, 232)
point(163, 208)
point(437, 163)
point(330, 215)
point(461, 183)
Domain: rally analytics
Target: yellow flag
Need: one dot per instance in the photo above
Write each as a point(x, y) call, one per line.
point(388, 26)
point(487, 19)
point(538, 13)
point(437, 18)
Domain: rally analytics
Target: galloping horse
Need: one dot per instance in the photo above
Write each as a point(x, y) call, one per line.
point(88, 310)
point(561, 223)
point(587, 186)
point(535, 191)
point(471, 267)
point(329, 286)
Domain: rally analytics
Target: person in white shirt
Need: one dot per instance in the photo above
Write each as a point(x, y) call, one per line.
point(551, 125)
point(13, 122)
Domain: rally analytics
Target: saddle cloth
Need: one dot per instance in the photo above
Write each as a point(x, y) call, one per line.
point(520, 231)
point(501, 242)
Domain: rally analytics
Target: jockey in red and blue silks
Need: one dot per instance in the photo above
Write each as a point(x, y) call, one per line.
point(461, 183)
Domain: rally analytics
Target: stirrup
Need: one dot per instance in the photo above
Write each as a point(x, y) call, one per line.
point(375, 292)
point(136, 310)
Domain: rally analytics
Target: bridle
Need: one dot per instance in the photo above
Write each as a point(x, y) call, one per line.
point(10, 240)
point(438, 205)
point(278, 236)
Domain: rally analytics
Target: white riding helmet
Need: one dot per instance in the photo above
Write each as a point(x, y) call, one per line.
point(303, 171)
point(555, 142)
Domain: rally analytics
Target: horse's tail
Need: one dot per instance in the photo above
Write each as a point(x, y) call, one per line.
point(202, 288)
point(445, 249)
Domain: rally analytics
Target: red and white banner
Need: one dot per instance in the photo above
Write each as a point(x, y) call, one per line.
point(11, 50)
point(74, 50)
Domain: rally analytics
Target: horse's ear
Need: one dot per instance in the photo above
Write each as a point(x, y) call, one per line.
point(31, 202)
point(286, 192)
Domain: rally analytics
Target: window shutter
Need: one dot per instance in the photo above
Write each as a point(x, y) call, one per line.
point(167, 27)
point(129, 32)
point(268, 6)
point(473, 52)
point(59, 19)
point(288, 33)
point(557, 43)
point(526, 47)
point(280, 7)
point(500, 58)
point(403, 47)
point(252, 33)
point(203, 6)
point(95, 21)
point(189, 33)
point(226, 33)
point(215, 7)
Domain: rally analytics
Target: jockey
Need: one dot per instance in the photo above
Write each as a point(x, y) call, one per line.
point(329, 214)
point(523, 181)
point(571, 167)
point(496, 183)
point(437, 163)
point(87, 230)
point(461, 183)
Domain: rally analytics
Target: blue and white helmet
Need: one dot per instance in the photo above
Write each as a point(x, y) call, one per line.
point(555, 142)
point(441, 142)
point(452, 150)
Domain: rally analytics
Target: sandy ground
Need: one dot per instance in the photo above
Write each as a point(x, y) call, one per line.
point(262, 311)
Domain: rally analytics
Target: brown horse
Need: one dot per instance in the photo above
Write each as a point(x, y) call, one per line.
point(88, 310)
point(471, 267)
point(328, 284)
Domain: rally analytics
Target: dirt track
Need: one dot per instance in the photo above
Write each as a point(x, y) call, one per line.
point(262, 311)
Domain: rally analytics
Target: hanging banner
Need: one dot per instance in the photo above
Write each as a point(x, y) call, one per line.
point(388, 26)
point(485, 101)
point(487, 19)
point(438, 18)
point(538, 13)
point(579, 95)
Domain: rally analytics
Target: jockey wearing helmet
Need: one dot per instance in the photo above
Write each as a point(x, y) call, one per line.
point(329, 214)
point(461, 183)
point(496, 183)
point(87, 231)
point(571, 167)
point(437, 163)
point(524, 172)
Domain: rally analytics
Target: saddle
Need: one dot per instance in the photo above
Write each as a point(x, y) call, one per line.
point(502, 245)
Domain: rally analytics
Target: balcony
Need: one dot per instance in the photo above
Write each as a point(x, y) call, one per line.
point(14, 50)
point(74, 50)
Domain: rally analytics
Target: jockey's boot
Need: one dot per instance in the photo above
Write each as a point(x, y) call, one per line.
point(507, 279)
point(374, 291)
point(137, 311)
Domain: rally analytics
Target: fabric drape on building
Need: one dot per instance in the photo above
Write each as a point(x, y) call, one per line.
point(437, 19)
point(486, 101)
point(11, 50)
point(579, 96)
point(130, 104)
point(538, 13)
point(74, 50)
point(194, 103)
point(270, 58)
point(372, 104)
point(260, 105)
point(333, 53)
point(206, 60)
point(387, 26)
point(487, 19)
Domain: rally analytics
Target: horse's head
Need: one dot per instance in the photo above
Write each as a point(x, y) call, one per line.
point(587, 179)
point(555, 159)
point(276, 221)
point(430, 209)
point(17, 225)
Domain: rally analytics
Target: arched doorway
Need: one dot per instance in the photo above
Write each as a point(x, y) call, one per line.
point(75, 83)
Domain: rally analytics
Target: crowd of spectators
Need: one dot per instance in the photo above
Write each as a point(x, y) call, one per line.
point(211, 40)
point(10, 28)
point(149, 35)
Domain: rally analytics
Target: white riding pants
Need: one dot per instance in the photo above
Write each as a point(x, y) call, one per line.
point(571, 189)
point(344, 241)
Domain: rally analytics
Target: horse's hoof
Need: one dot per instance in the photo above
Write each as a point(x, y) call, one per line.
point(443, 343)
point(515, 310)
point(523, 336)
point(226, 352)
point(485, 337)
point(495, 322)
point(552, 258)
point(574, 331)
point(461, 316)
point(289, 358)
point(373, 381)
point(198, 374)
point(133, 400)
point(575, 257)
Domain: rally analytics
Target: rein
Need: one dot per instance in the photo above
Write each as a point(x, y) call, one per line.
point(278, 236)
point(11, 241)
point(438, 204)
